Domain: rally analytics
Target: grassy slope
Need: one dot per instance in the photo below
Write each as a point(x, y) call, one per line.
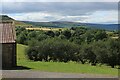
point(46, 29)
point(19, 23)
point(22, 24)
point(60, 66)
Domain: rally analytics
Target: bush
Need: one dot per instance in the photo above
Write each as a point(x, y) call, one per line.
point(107, 52)
point(54, 49)
point(66, 33)
point(86, 54)
point(75, 44)
point(114, 52)
point(32, 53)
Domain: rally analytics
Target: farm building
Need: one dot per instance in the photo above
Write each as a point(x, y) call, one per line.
point(8, 41)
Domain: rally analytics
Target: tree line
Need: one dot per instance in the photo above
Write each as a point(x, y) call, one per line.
point(79, 44)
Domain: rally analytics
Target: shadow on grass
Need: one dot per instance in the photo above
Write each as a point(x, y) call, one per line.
point(17, 68)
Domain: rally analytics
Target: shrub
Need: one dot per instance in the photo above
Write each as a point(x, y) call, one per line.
point(54, 49)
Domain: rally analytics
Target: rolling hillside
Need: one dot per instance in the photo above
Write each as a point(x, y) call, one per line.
point(17, 23)
point(70, 67)
point(22, 24)
point(62, 24)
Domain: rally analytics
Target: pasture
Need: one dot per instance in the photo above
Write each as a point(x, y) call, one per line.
point(70, 67)
point(45, 29)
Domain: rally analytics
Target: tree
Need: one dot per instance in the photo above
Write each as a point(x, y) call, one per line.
point(89, 36)
point(100, 35)
point(50, 33)
point(67, 33)
point(62, 36)
point(57, 33)
point(86, 54)
point(19, 29)
point(101, 52)
point(54, 49)
point(41, 37)
point(32, 53)
point(113, 49)
point(32, 34)
point(22, 38)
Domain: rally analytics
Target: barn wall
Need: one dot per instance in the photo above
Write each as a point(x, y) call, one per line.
point(14, 55)
point(0, 56)
point(8, 55)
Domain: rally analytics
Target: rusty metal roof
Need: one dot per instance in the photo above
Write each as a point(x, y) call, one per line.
point(7, 32)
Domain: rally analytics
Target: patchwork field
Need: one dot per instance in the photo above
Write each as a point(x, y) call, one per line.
point(70, 67)
point(45, 29)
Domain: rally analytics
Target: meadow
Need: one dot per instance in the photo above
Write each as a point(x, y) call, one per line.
point(45, 29)
point(70, 67)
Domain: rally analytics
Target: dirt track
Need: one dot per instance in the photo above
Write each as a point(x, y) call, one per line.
point(40, 74)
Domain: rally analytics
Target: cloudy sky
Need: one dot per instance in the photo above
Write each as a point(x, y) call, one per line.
point(88, 12)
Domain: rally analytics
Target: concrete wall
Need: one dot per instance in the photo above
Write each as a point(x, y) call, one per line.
point(8, 55)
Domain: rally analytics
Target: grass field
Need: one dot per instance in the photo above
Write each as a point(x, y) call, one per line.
point(45, 29)
point(70, 67)
point(22, 24)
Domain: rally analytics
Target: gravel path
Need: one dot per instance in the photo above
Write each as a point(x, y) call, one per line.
point(40, 74)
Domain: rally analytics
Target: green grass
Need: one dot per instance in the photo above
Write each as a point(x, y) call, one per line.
point(70, 67)
point(22, 24)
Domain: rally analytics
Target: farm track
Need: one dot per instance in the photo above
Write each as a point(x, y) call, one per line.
point(41, 74)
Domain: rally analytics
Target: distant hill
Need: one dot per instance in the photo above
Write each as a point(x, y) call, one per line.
point(22, 24)
point(102, 26)
point(17, 23)
point(62, 24)
point(5, 18)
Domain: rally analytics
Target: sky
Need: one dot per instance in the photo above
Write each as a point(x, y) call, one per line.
point(84, 12)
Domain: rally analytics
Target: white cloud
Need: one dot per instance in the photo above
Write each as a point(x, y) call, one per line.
point(65, 8)
point(45, 17)
point(103, 17)
point(97, 17)
point(36, 16)
point(79, 12)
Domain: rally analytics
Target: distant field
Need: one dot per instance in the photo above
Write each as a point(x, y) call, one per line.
point(45, 29)
point(70, 67)
point(27, 26)
point(22, 24)
point(114, 36)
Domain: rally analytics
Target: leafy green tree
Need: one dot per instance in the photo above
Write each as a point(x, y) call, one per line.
point(32, 42)
point(32, 34)
point(89, 36)
point(101, 52)
point(87, 55)
point(57, 33)
point(62, 36)
point(54, 49)
point(100, 35)
point(32, 53)
point(41, 37)
point(67, 33)
point(113, 49)
point(22, 38)
point(50, 33)
point(19, 29)
point(77, 35)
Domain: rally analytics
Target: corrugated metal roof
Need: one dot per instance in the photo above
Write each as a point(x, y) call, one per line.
point(7, 32)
